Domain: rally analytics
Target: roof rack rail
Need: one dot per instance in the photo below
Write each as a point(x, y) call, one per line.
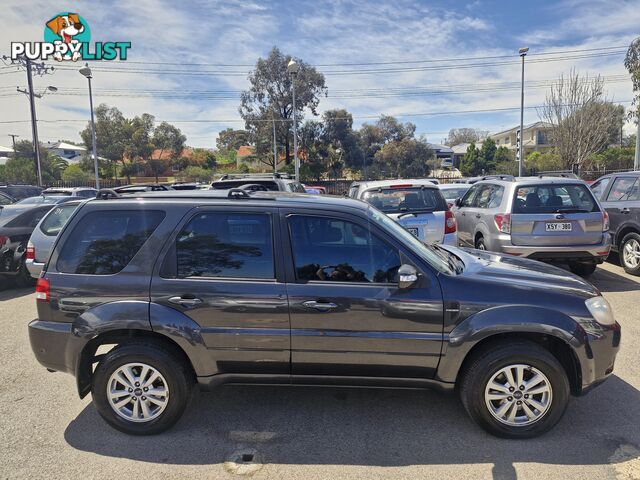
point(230, 176)
point(506, 178)
point(237, 193)
point(558, 175)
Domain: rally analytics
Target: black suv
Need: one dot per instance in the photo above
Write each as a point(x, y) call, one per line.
point(619, 194)
point(253, 182)
point(216, 287)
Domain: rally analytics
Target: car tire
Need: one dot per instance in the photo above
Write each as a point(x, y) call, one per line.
point(175, 380)
point(480, 245)
point(630, 247)
point(23, 277)
point(487, 366)
point(582, 269)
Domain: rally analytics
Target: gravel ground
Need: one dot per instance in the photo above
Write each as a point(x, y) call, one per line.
point(309, 433)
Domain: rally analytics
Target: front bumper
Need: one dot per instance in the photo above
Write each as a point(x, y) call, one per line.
point(597, 354)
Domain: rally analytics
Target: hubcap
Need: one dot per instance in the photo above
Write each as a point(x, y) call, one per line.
point(137, 392)
point(631, 253)
point(518, 395)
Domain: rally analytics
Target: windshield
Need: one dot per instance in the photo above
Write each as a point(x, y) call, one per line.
point(41, 200)
point(454, 193)
point(438, 260)
point(554, 198)
point(407, 199)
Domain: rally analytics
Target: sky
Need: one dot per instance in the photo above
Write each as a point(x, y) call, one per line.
point(189, 60)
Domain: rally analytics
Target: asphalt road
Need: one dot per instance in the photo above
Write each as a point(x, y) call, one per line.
point(313, 433)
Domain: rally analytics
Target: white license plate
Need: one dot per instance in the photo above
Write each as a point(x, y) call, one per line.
point(558, 227)
point(413, 231)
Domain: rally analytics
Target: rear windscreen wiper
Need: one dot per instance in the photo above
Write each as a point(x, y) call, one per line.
point(572, 210)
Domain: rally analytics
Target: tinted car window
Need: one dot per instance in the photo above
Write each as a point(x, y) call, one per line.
point(87, 193)
point(227, 184)
point(56, 219)
point(395, 200)
point(600, 187)
point(554, 198)
point(28, 219)
point(334, 250)
point(104, 242)
point(623, 188)
point(226, 245)
point(453, 193)
point(4, 200)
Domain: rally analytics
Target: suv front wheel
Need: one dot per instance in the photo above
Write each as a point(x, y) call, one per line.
point(515, 390)
point(140, 388)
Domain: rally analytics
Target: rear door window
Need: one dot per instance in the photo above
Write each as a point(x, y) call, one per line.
point(56, 219)
point(467, 200)
point(554, 198)
point(231, 245)
point(600, 187)
point(623, 189)
point(104, 242)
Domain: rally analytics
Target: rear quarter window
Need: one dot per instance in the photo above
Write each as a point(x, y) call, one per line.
point(104, 242)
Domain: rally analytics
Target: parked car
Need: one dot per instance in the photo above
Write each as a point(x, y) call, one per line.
point(20, 191)
point(417, 205)
point(356, 188)
point(44, 235)
point(30, 202)
point(452, 191)
point(214, 287)
point(273, 182)
point(83, 192)
point(619, 194)
point(543, 218)
point(6, 199)
point(317, 190)
point(14, 235)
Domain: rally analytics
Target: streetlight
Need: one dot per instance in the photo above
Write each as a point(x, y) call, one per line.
point(86, 71)
point(523, 53)
point(293, 69)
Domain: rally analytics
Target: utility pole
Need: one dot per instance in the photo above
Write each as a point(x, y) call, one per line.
point(86, 72)
point(293, 68)
point(39, 69)
point(275, 148)
point(13, 137)
point(636, 161)
point(523, 53)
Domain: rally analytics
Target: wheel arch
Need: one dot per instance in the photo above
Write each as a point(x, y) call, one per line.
point(623, 232)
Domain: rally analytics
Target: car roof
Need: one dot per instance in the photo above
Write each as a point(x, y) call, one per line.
point(445, 186)
point(66, 189)
point(200, 197)
point(387, 183)
point(541, 180)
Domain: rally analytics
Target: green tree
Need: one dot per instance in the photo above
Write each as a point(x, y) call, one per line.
point(230, 139)
point(113, 134)
point(316, 153)
point(405, 158)
point(338, 132)
point(487, 155)
point(543, 162)
point(470, 162)
point(165, 138)
point(632, 63)
point(270, 92)
point(74, 173)
point(373, 137)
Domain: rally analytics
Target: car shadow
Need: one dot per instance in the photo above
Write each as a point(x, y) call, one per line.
point(331, 426)
point(608, 281)
point(14, 292)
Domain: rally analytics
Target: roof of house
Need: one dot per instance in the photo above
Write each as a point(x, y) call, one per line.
point(440, 148)
point(461, 148)
point(244, 151)
point(64, 146)
point(5, 149)
point(526, 127)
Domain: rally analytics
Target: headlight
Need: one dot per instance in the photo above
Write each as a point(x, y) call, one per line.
point(600, 310)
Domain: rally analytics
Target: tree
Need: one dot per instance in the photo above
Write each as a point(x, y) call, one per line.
point(112, 133)
point(230, 139)
point(338, 132)
point(543, 162)
point(487, 155)
point(194, 174)
point(21, 168)
point(470, 161)
point(270, 92)
point(465, 135)
point(75, 174)
point(632, 63)
point(407, 157)
point(166, 138)
point(581, 117)
point(315, 150)
point(374, 137)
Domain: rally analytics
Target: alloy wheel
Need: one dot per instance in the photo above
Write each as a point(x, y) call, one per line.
point(137, 392)
point(518, 395)
point(631, 253)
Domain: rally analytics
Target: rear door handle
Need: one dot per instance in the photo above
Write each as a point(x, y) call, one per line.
point(477, 215)
point(463, 214)
point(185, 301)
point(320, 306)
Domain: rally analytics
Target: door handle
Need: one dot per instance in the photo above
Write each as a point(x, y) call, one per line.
point(477, 215)
point(320, 306)
point(625, 210)
point(463, 214)
point(185, 301)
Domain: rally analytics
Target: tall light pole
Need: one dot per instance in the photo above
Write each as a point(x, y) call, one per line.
point(523, 53)
point(293, 68)
point(636, 161)
point(275, 148)
point(86, 71)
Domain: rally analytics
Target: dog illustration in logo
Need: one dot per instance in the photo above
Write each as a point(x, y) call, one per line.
point(66, 27)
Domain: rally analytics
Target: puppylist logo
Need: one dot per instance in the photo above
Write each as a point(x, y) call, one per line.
point(67, 36)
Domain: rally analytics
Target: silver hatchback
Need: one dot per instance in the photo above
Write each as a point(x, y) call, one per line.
point(543, 218)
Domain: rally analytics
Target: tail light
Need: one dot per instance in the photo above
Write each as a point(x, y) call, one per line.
point(605, 221)
point(42, 290)
point(450, 225)
point(3, 239)
point(503, 222)
point(31, 251)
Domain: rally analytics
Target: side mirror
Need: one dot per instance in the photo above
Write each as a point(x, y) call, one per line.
point(407, 276)
point(458, 202)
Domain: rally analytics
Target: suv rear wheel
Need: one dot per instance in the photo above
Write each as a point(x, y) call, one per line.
point(581, 268)
point(480, 243)
point(515, 390)
point(630, 253)
point(140, 388)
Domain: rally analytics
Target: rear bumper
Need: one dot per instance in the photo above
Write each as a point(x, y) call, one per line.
point(35, 268)
point(597, 253)
point(55, 346)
